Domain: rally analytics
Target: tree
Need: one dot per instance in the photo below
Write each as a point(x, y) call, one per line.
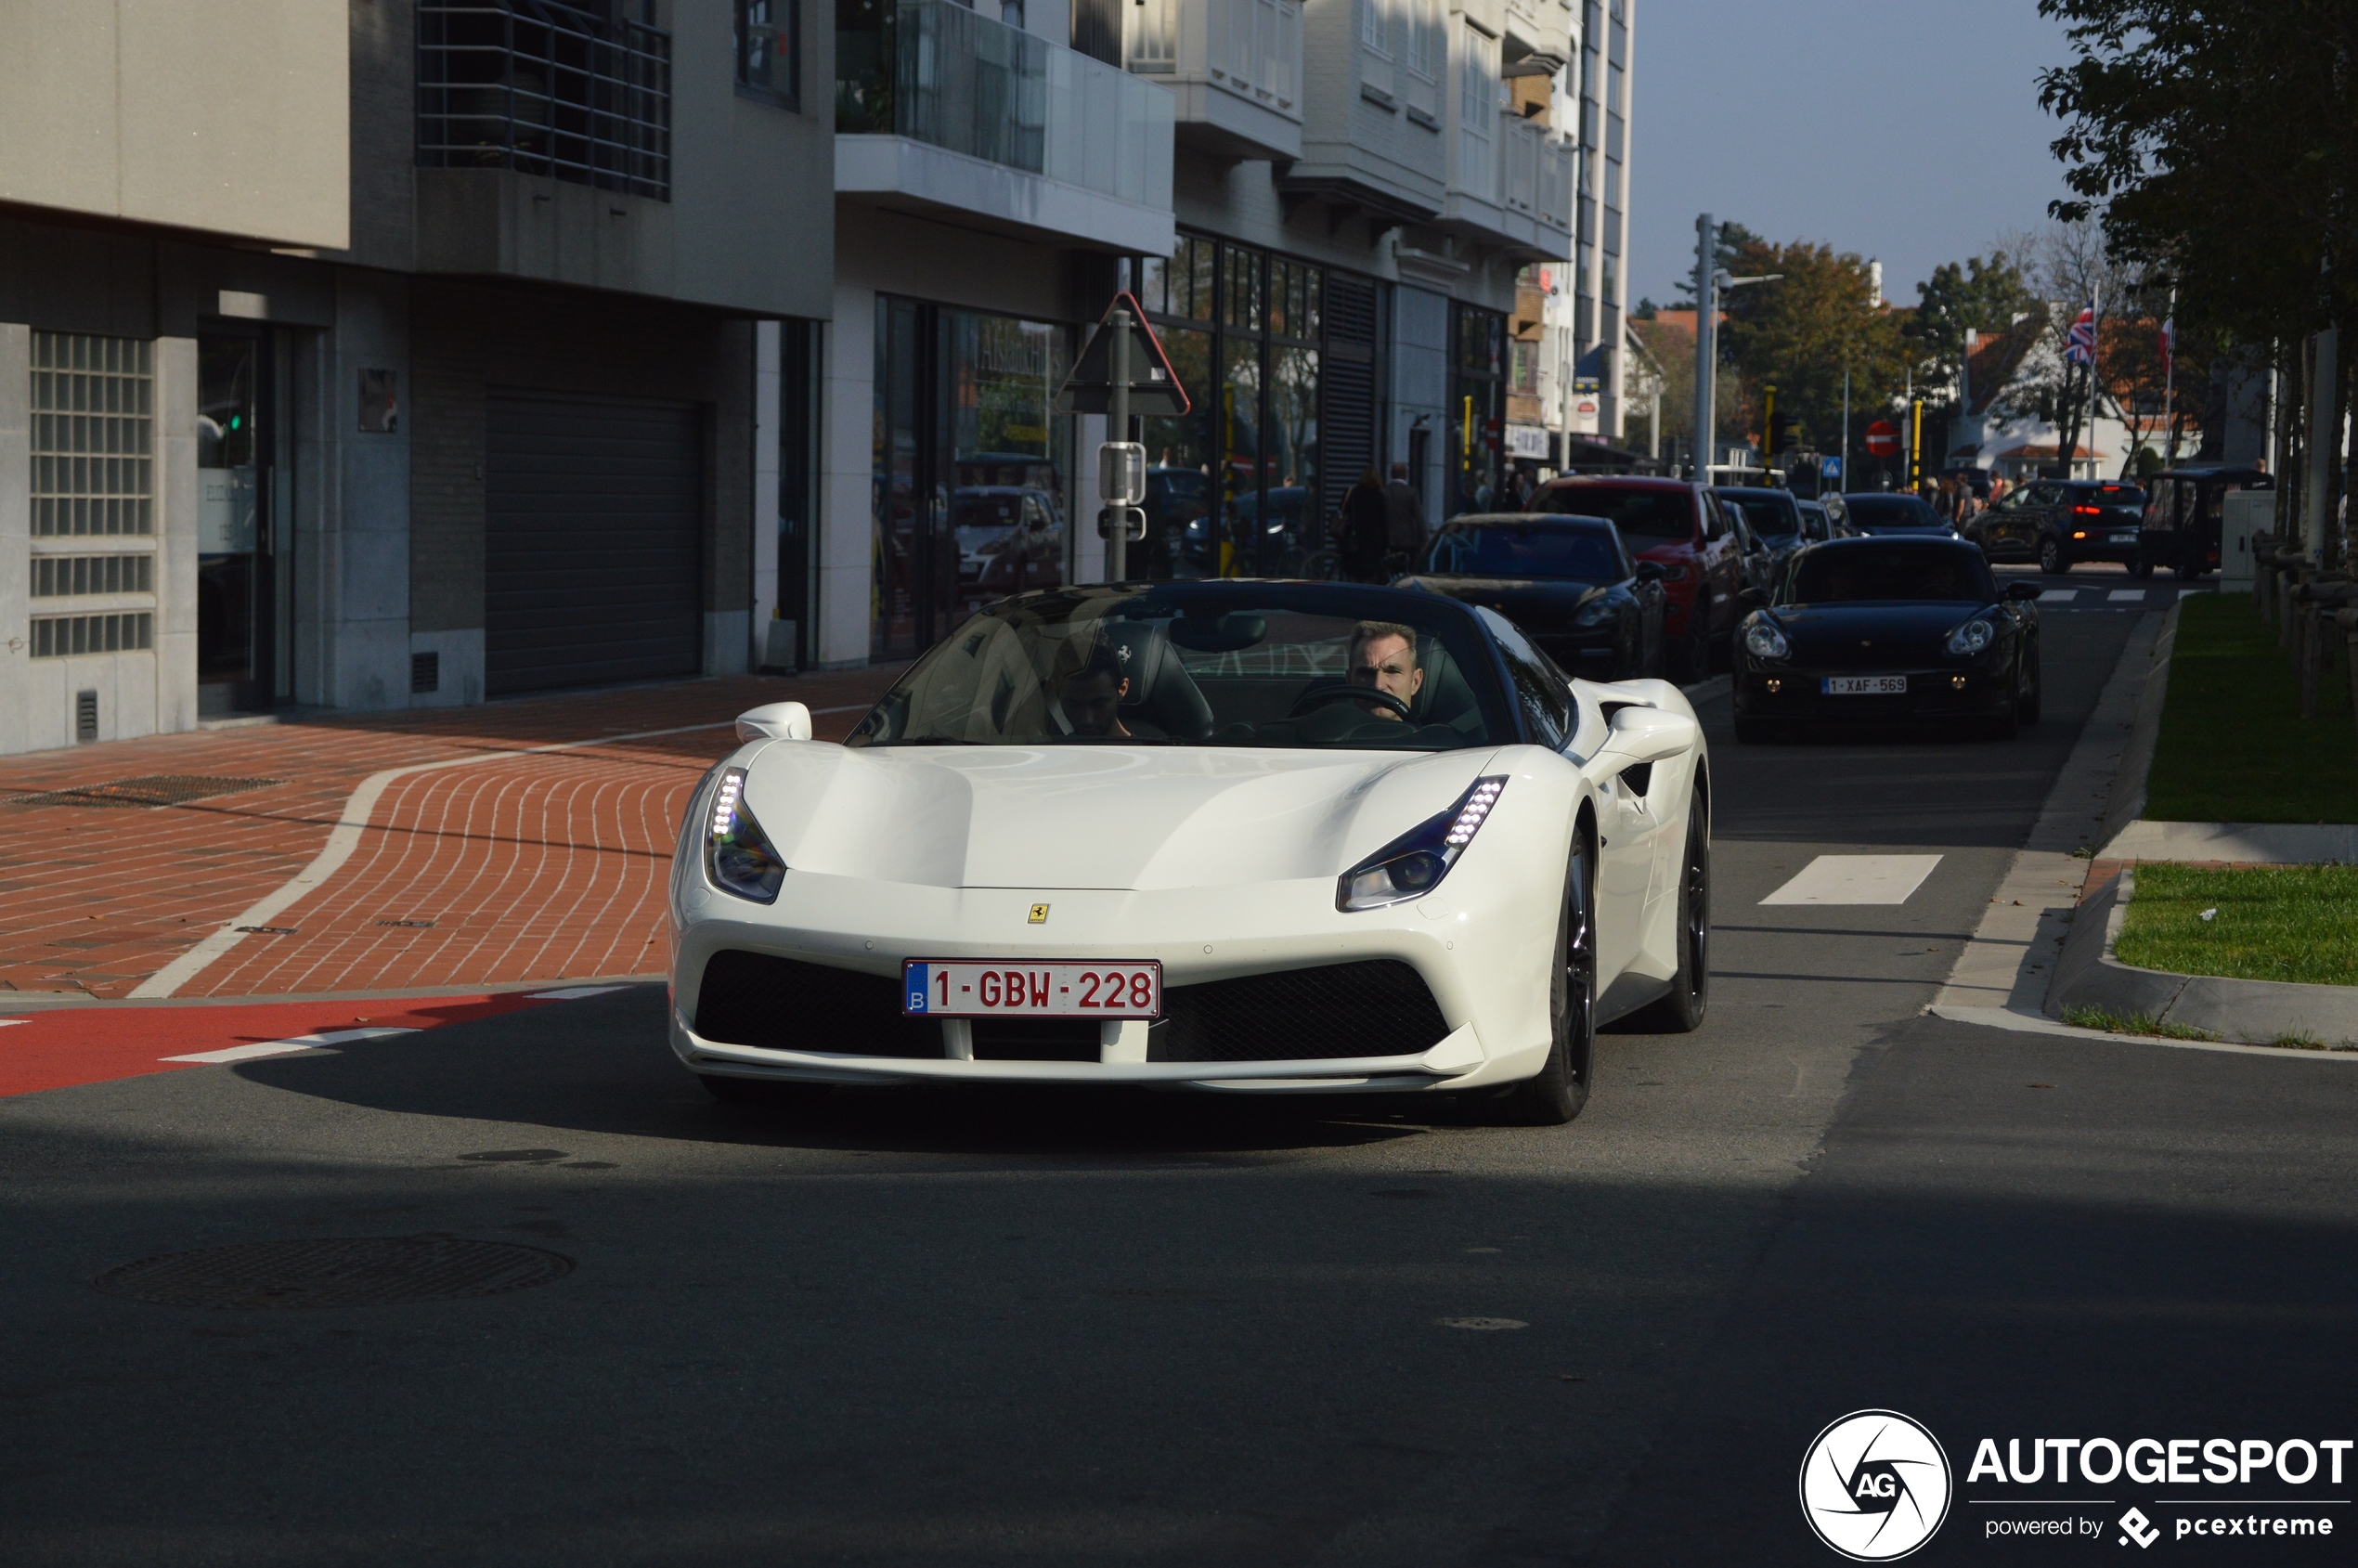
point(2218, 142)
point(1983, 296)
point(1803, 331)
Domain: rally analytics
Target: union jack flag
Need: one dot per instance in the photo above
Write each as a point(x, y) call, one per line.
point(2080, 348)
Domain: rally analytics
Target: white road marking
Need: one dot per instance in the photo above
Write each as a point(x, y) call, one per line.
point(2127, 596)
point(2060, 596)
point(11, 1023)
point(1482, 1325)
point(287, 1047)
point(350, 824)
point(1856, 879)
point(571, 993)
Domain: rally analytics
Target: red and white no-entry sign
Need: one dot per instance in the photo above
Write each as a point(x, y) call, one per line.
point(1883, 439)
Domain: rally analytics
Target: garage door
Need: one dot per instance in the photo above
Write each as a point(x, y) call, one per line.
point(593, 543)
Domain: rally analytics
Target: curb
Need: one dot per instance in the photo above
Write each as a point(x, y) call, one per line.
point(2089, 975)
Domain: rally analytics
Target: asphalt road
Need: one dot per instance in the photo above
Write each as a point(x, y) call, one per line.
point(1081, 1329)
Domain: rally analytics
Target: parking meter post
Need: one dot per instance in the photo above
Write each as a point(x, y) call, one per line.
point(1117, 420)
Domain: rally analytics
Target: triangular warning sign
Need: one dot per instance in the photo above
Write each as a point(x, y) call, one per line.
point(1155, 392)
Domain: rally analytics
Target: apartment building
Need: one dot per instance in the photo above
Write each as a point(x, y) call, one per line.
point(1594, 393)
point(396, 353)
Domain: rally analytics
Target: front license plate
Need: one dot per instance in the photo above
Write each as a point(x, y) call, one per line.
point(966, 988)
point(1865, 685)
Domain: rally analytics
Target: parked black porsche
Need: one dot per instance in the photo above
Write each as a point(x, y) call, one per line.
point(1888, 631)
point(1568, 582)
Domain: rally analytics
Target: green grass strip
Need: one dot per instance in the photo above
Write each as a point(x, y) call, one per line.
point(2232, 747)
point(2287, 923)
point(2131, 1023)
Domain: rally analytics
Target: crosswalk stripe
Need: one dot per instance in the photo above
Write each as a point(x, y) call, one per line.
point(1856, 879)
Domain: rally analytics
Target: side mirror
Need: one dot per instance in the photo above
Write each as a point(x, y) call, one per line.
point(1648, 734)
point(2021, 591)
point(1755, 597)
point(774, 721)
point(1650, 572)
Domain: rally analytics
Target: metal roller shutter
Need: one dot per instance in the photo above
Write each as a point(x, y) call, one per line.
point(593, 546)
point(1347, 395)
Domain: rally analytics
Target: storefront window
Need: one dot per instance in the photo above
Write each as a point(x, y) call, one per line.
point(1237, 489)
point(973, 467)
point(1477, 411)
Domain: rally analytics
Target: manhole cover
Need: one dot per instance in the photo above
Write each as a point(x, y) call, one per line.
point(361, 1270)
point(150, 789)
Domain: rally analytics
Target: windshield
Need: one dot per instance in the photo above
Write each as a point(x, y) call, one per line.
point(986, 508)
point(1872, 513)
point(1772, 513)
point(1639, 515)
point(1813, 522)
point(1850, 572)
point(2110, 495)
point(1229, 664)
point(1526, 549)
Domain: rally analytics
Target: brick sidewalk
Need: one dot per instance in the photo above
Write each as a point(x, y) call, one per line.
point(509, 870)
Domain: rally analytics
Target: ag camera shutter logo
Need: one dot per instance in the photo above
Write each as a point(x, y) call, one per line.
point(1874, 1486)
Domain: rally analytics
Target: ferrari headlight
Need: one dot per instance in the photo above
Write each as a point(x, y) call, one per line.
point(736, 856)
point(1763, 640)
point(1413, 865)
point(1972, 638)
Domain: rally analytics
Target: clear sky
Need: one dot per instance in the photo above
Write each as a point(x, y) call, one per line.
point(1905, 129)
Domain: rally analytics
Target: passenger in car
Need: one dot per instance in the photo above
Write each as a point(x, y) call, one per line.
point(1384, 655)
point(1089, 696)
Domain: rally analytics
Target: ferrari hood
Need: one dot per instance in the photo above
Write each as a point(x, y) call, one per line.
point(1872, 636)
point(1100, 817)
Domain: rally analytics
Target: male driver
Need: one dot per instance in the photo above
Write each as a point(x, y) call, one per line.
point(1384, 655)
point(1090, 697)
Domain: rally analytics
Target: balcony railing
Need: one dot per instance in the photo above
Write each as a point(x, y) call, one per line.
point(938, 72)
point(544, 87)
point(1249, 50)
point(1517, 181)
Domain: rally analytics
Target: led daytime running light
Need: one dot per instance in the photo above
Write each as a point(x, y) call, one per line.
point(1413, 865)
point(737, 856)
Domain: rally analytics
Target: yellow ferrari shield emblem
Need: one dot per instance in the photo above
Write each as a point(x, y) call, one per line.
point(1039, 914)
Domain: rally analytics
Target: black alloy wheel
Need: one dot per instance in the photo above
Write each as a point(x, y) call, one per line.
point(2027, 705)
point(1556, 1092)
point(2052, 557)
point(2139, 568)
point(2190, 566)
point(1682, 1011)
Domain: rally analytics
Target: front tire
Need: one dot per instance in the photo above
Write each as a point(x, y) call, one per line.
point(2027, 707)
point(1682, 1011)
point(1555, 1095)
point(2140, 568)
point(2190, 566)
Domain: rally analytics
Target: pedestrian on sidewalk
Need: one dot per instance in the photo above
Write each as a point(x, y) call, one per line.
point(1403, 521)
point(1366, 528)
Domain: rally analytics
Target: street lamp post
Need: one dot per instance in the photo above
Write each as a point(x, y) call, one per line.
point(1710, 281)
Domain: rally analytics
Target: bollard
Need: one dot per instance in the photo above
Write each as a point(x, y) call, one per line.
point(2263, 575)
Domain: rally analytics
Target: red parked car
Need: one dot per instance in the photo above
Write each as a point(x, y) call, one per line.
point(1677, 526)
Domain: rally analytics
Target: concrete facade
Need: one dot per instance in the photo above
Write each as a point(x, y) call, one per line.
point(357, 269)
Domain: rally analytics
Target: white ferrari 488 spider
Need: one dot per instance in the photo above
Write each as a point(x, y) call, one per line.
point(1225, 835)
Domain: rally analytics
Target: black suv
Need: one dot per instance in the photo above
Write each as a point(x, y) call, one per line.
point(2060, 522)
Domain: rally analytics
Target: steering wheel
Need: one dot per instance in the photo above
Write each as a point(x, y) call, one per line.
point(1320, 697)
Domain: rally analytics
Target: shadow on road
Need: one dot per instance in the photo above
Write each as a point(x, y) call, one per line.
point(602, 1066)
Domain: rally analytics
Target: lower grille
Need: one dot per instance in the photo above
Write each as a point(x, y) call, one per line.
point(787, 1005)
point(1037, 1040)
point(1377, 1007)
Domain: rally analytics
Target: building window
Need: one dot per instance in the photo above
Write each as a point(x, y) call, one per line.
point(93, 429)
point(59, 637)
point(1480, 94)
point(770, 50)
point(1374, 29)
point(65, 577)
point(568, 91)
